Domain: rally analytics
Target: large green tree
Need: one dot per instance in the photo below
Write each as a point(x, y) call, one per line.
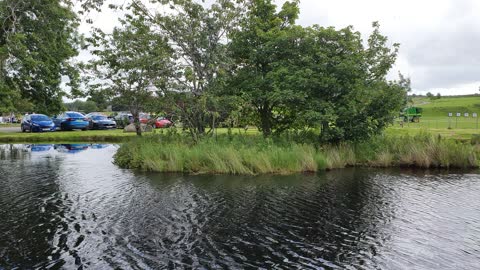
point(313, 77)
point(266, 49)
point(133, 63)
point(345, 81)
point(37, 42)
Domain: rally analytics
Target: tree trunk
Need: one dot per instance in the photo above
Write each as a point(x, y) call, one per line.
point(265, 121)
point(136, 122)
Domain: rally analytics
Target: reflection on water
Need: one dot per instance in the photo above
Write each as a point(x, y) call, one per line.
point(15, 151)
point(80, 211)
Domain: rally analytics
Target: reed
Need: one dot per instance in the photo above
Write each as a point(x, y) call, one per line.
point(251, 155)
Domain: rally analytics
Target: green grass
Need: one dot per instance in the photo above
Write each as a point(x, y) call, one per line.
point(439, 108)
point(243, 154)
point(251, 155)
point(67, 136)
point(98, 135)
point(435, 118)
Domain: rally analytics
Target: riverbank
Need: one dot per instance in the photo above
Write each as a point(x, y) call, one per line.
point(66, 136)
point(251, 155)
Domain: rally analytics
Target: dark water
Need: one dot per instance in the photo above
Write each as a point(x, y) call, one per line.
point(69, 207)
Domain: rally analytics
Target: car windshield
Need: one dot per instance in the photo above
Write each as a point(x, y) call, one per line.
point(99, 117)
point(40, 118)
point(75, 115)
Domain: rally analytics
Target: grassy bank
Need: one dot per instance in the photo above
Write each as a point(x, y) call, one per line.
point(251, 155)
point(67, 136)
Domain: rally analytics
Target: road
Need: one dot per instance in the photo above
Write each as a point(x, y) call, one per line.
point(9, 129)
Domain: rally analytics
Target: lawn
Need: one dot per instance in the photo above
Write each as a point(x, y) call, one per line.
point(439, 108)
point(435, 114)
point(93, 135)
point(67, 136)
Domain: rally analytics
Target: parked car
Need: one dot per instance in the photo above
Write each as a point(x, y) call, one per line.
point(71, 120)
point(37, 123)
point(144, 118)
point(71, 148)
point(162, 122)
point(100, 121)
point(123, 119)
point(40, 147)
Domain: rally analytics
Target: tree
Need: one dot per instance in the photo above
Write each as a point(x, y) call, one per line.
point(348, 94)
point(265, 49)
point(37, 41)
point(82, 106)
point(405, 83)
point(133, 63)
point(439, 96)
point(430, 96)
point(314, 77)
point(198, 35)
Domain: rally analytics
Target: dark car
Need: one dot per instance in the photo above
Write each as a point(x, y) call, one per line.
point(37, 123)
point(71, 120)
point(100, 121)
point(71, 148)
point(123, 119)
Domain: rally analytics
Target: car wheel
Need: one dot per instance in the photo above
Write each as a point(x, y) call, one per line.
point(22, 128)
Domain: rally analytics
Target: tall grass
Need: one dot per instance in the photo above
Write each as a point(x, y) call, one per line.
point(250, 155)
point(239, 156)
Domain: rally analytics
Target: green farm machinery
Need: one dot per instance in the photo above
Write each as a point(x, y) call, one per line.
point(411, 114)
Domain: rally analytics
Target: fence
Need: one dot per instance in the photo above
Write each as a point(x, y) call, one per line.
point(443, 123)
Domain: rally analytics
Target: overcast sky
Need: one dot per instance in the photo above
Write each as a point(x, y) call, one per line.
point(439, 39)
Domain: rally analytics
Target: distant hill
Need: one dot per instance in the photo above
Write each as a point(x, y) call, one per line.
point(448, 104)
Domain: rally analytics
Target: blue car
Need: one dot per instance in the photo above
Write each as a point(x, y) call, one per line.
point(70, 148)
point(71, 121)
point(40, 147)
point(37, 123)
point(99, 121)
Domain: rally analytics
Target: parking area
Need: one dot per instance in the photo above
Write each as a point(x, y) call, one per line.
point(9, 129)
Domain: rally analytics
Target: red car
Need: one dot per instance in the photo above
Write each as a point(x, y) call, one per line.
point(143, 117)
point(162, 122)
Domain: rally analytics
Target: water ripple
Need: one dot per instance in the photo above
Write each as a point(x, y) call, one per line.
point(79, 211)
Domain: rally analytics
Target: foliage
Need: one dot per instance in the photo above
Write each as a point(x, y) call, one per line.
point(37, 41)
point(313, 77)
point(133, 63)
point(198, 35)
point(82, 106)
point(228, 63)
point(265, 49)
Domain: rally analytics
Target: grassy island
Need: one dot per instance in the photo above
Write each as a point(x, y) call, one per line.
point(252, 154)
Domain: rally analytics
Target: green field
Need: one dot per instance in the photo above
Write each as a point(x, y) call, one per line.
point(439, 108)
point(435, 117)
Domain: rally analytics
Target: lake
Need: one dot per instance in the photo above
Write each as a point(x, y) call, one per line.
point(67, 206)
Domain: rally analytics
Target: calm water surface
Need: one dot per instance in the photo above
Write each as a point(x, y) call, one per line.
point(69, 207)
